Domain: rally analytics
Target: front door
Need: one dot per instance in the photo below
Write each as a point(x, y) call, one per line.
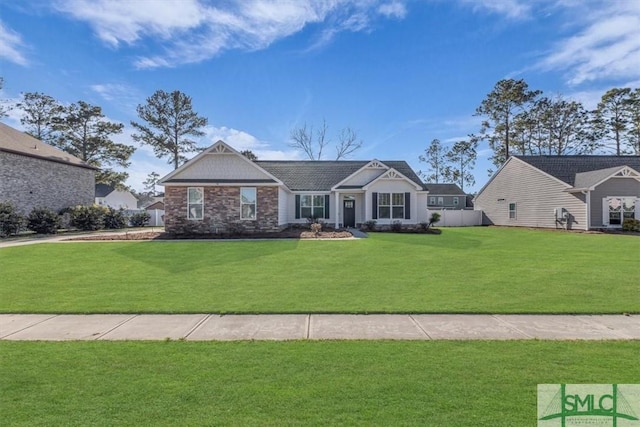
point(349, 213)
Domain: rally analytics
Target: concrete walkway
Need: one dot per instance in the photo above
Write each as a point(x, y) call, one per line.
point(213, 327)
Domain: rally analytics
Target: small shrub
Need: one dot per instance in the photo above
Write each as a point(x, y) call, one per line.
point(140, 219)
point(88, 218)
point(369, 225)
point(43, 221)
point(236, 228)
point(396, 226)
point(312, 220)
point(424, 226)
point(631, 224)
point(10, 220)
point(316, 228)
point(114, 219)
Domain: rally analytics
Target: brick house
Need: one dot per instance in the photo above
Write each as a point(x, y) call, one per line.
point(220, 189)
point(34, 174)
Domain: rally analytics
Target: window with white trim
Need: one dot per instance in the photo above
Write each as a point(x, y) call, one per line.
point(456, 201)
point(441, 200)
point(513, 208)
point(195, 203)
point(391, 205)
point(432, 200)
point(312, 206)
point(248, 203)
point(620, 208)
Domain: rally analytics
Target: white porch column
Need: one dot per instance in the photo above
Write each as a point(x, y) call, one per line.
point(337, 208)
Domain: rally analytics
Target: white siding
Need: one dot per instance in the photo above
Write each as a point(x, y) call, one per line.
point(118, 199)
point(536, 196)
point(221, 166)
point(422, 214)
point(393, 186)
point(364, 176)
point(283, 204)
point(291, 208)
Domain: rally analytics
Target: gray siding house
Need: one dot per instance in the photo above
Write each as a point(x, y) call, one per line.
point(34, 174)
point(564, 192)
point(447, 196)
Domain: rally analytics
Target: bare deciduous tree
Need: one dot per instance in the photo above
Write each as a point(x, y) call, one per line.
point(312, 142)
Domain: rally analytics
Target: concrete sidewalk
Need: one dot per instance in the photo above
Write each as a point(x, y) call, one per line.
point(213, 327)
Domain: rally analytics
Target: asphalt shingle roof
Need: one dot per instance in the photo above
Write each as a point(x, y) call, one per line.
point(14, 141)
point(322, 175)
point(565, 168)
point(103, 190)
point(447, 189)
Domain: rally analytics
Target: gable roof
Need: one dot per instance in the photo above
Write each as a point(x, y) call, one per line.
point(322, 175)
point(16, 142)
point(567, 168)
point(447, 189)
point(103, 190)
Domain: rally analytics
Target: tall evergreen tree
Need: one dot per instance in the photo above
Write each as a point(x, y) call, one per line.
point(168, 122)
point(508, 98)
point(434, 157)
point(82, 130)
point(39, 111)
point(462, 157)
point(612, 116)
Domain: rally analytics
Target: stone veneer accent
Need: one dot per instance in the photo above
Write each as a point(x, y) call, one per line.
point(221, 211)
point(29, 182)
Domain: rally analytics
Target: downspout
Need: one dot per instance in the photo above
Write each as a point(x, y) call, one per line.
point(337, 210)
point(588, 207)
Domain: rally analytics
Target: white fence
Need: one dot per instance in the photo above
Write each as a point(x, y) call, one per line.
point(157, 217)
point(457, 218)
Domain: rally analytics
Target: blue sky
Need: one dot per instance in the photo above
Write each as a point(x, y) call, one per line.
point(399, 72)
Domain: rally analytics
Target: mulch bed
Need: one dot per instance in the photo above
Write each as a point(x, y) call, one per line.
point(155, 235)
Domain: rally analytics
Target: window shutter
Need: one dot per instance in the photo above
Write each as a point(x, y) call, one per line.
point(605, 211)
point(297, 206)
point(407, 205)
point(327, 212)
point(374, 205)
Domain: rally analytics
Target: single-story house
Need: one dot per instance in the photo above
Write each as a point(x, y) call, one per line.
point(108, 195)
point(37, 175)
point(220, 188)
point(447, 196)
point(569, 192)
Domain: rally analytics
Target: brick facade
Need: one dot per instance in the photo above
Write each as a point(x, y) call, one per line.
point(29, 182)
point(221, 211)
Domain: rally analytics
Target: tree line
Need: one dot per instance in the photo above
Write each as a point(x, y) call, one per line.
point(517, 120)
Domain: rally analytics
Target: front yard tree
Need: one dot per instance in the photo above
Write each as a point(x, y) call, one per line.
point(313, 142)
point(82, 130)
point(508, 98)
point(462, 157)
point(39, 111)
point(168, 122)
point(434, 157)
point(151, 182)
point(612, 116)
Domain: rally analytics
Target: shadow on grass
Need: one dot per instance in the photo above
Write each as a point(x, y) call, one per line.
point(178, 257)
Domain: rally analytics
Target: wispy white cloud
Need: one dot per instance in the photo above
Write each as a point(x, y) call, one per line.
point(190, 31)
point(11, 46)
point(514, 9)
point(241, 141)
point(606, 44)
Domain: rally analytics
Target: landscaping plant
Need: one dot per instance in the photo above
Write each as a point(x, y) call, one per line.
point(43, 221)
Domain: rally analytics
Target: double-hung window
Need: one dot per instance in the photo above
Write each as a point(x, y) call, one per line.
point(391, 205)
point(456, 201)
point(195, 203)
point(248, 203)
point(432, 200)
point(312, 206)
point(513, 208)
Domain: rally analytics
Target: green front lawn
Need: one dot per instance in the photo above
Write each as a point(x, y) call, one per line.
point(326, 383)
point(470, 270)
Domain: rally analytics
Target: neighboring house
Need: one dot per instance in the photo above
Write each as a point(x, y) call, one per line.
point(221, 188)
point(107, 195)
point(34, 174)
point(158, 205)
point(447, 196)
point(570, 192)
